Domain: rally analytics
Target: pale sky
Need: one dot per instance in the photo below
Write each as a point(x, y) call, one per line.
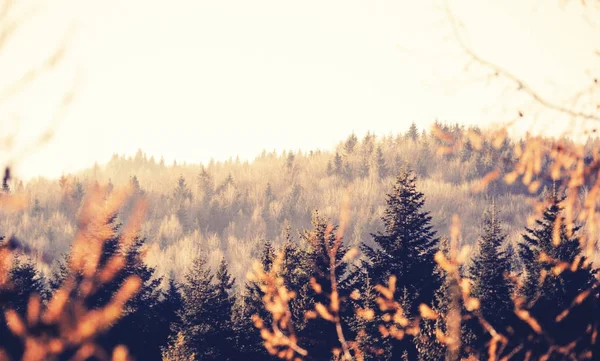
point(191, 80)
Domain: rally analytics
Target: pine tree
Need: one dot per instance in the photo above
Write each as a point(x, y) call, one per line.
point(413, 132)
point(24, 281)
point(168, 310)
point(5, 179)
point(541, 240)
point(338, 164)
point(220, 308)
point(207, 313)
point(488, 271)
point(197, 293)
point(249, 343)
point(60, 273)
point(365, 324)
point(290, 162)
point(182, 192)
point(135, 186)
point(382, 170)
point(406, 249)
point(350, 143)
point(135, 328)
point(319, 335)
point(548, 294)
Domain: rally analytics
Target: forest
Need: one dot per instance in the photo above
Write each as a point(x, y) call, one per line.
point(445, 244)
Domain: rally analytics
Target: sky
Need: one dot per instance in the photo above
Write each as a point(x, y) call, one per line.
point(194, 80)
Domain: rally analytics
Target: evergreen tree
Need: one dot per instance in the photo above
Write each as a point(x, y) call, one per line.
point(413, 132)
point(168, 310)
point(5, 179)
point(290, 162)
point(329, 171)
point(206, 327)
point(382, 170)
point(318, 335)
point(338, 164)
point(135, 328)
point(24, 281)
point(60, 273)
point(135, 186)
point(197, 292)
point(489, 270)
point(220, 308)
point(182, 192)
point(406, 249)
point(548, 293)
point(249, 343)
point(350, 143)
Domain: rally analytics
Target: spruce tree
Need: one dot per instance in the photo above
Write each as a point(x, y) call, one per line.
point(406, 249)
point(338, 164)
point(550, 295)
point(168, 310)
point(488, 271)
point(382, 169)
point(350, 143)
point(318, 335)
point(413, 132)
point(249, 343)
point(198, 292)
point(5, 179)
point(24, 281)
point(222, 338)
point(135, 328)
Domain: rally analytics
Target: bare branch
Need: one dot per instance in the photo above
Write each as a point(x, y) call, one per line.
point(502, 72)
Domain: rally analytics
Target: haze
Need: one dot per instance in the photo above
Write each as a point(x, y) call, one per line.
point(194, 80)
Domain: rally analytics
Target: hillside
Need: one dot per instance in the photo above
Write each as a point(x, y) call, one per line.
point(230, 208)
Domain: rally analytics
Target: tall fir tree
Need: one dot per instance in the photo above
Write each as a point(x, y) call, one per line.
point(413, 132)
point(169, 312)
point(220, 341)
point(551, 294)
point(24, 281)
point(489, 273)
point(406, 249)
point(198, 292)
point(338, 164)
point(249, 343)
point(318, 335)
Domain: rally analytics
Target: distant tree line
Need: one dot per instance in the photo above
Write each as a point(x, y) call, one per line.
point(219, 208)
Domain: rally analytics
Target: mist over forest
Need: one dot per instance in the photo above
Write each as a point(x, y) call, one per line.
point(229, 209)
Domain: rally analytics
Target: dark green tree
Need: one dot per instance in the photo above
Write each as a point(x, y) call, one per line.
point(406, 249)
point(24, 281)
point(169, 310)
point(318, 335)
point(549, 295)
point(249, 343)
point(489, 271)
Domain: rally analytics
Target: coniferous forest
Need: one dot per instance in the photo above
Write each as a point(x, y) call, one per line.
point(355, 253)
point(347, 224)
